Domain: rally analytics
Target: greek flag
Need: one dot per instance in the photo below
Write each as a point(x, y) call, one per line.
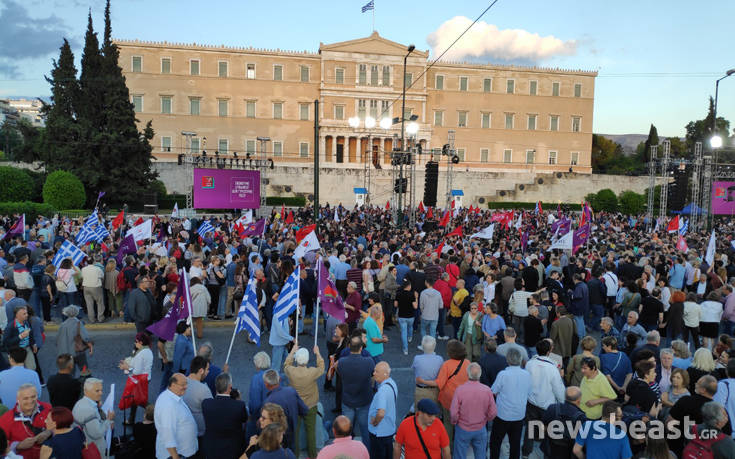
point(369, 6)
point(288, 299)
point(204, 228)
point(684, 227)
point(86, 233)
point(68, 250)
point(247, 316)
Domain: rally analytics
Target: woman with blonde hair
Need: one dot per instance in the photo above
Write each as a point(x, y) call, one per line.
point(114, 296)
point(470, 332)
point(574, 367)
point(703, 364)
point(682, 356)
point(270, 414)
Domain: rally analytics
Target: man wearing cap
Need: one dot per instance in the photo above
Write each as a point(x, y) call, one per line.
point(303, 379)
point(422, 434)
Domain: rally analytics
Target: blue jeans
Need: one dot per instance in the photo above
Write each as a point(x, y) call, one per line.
point(463, 439)
point(597, 312)
point(727, 327)
point(429, 326)
point(221, 302)
point(279, 351)
point(580, 328)
point(442, 319)
point(406, 330)
point(359, 419)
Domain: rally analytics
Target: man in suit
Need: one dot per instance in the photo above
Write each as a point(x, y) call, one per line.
point(224, 421)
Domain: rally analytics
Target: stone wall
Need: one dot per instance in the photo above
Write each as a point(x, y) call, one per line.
point(479, 187)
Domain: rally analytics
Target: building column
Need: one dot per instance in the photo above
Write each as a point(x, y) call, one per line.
point(334, 149)
point(346, 150)
point(322, 147)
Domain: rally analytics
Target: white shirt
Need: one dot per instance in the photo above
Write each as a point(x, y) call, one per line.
point(142, 362)
point(611, 283)
point(175, 425)
point(545, 375)
point(518, 303)
point(711, 311)
point(489, 292)
point(92, 276)
point(196, 271)
point(692, 313)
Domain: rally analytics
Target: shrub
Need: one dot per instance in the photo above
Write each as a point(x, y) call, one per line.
point(63, 190)
point(632, 203)
point(548, 207)
point(31, 209)
point(159, 188)
point(604, 200)
point(17, 185)
point(294, 201)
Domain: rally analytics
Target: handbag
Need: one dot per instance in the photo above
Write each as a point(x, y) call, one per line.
point(135, 392)
point(421, 439)
point(79, 344)
point(91, 452)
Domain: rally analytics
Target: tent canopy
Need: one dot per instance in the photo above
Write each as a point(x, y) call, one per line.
point(690, 209)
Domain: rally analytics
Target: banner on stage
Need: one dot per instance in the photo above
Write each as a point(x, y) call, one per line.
point(226, 189)
point(723, 198)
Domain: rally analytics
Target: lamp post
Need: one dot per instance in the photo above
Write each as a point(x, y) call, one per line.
point(716, 140)
point(403, 140)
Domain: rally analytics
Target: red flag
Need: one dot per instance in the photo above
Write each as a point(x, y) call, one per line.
point(472, 209)
point(439, 248)
point(457, 232)
point(387, 205)
point(421, 207)
point(118, 220)
point(289, 219)
point(445, 219)
point(673, 225)
point(682, 244)
point(138, 221)
point(283, 211)
point(429, 214)
point(452, 203)
point(303, 232)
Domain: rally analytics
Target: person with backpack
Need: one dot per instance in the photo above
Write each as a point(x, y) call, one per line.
point(460, 304)
point(709, 441)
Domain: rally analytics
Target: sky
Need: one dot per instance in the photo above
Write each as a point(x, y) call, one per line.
point(657, 61)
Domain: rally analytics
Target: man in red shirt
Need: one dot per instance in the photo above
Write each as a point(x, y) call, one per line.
point(424, 423)
point(26, 423)
point(442, 286)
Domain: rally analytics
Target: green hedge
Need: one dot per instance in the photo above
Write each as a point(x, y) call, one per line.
point(294, 201)
point(547, 206)
point(16, 184)
point(168, 201)
point(31, 209)
point(64, 190)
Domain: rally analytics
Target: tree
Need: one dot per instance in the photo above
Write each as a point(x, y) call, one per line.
point(650, 141)
point(63, 190)
point(632, 203)
point(62, 129)
point(608, 158)
point(701, 130)
point(10, 140)
point(17, 184)
point(605, 200)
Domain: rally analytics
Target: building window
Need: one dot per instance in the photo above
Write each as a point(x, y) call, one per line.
point(487, 84)
point(463, 83)
point(555, 89)
point(304, 149)
point(250, 146)
point(385, 109)
point(250, 71)
point(250, 108)
point(304, 112)
point(575, 158)
point(194, 146)
point(361, 108)
point(554, 123)
point(532, 122)
point(194, 67)
point(166, 65)
point(363, 74)
point(533, 87)
point(439, 82)
point(508, 121)
point(339, 76)
point(277, 149)
point(507, 156)
point(223, 107)
point(137, 64)
point(166, 105)
point(339, 112)
point(408, 79)
point(222, 69)
point(277, 73)
point(194, 103)
point(462, 119)
point(223, 146)
point(552, 157)
point(484, 155)
point(304, 74)
point(374, 109)
point(577, 90)
point(510, 86)
point(530, 156)
point(166, 144)
point(576, 124)
point(386, 75)
point(373, 75)
point(438, 118)
point(277, 110)
point(460, 153)
point(485, 121)
point(137, 103)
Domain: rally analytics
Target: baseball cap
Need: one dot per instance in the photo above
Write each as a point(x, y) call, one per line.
point(428, 406)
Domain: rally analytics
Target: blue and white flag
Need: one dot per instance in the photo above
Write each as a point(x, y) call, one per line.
point(247, 316)
point(68, 250)
point(204, 228)
point(288, 299)
point(369, 6)
point(683, 227)
point(86, 232)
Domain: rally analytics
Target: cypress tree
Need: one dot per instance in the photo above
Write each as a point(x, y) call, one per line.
point(651, 140)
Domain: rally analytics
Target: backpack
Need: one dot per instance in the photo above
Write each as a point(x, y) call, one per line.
point(177, 253)
point(465, 305)
point(122, 282)
point(699, 448)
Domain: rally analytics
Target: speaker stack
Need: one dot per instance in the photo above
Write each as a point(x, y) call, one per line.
point(430, 183)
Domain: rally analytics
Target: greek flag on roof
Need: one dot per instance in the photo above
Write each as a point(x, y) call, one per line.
point(247, 316)
point(288, 300)
point(369, 6)
point(204, 228)
point(68, 250)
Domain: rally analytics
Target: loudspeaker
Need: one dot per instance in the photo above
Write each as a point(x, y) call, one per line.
point(429, 226)
point(430, 183)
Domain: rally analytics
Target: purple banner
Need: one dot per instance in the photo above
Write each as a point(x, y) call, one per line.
point(226, 189)
point(723, 198)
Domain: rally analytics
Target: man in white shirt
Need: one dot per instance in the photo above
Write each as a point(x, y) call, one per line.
point(196, 269)
point(92, 277)
point(176, 427)
point(611, 285)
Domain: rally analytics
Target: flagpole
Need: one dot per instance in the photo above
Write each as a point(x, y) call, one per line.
point(232, 340)
point(373, 15)
point(298, 309)
point(187, 292)
point(318, 289)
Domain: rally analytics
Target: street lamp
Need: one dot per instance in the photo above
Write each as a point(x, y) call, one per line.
point(399, 213)
point(412, 128)
point(369, 122)
point(716, 140)
point(386, 123)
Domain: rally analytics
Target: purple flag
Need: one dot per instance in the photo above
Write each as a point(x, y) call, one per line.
point(127, 246)
point(254, 229)
point(580, 237)
point(563, 225)
point(166, 327)
point(18, 229)
point(329, 299)
point(524, 240)
point(99, 196)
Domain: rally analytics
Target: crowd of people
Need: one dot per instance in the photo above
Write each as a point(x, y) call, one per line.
point(622, 343)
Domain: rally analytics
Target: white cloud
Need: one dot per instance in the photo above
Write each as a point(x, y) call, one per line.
point(486, 41)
